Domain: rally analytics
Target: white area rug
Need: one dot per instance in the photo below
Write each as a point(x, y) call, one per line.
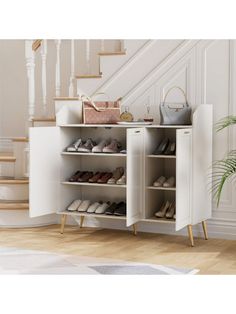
point(20, 261)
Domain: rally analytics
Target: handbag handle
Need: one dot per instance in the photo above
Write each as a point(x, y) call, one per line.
point(179, 88)
point(92, 103)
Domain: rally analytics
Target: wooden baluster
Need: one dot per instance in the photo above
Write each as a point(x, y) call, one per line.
point(88, 56)
point(44, 75)
point(102, 45)
point(58, 68)
point(72, 73)
point(30, 66)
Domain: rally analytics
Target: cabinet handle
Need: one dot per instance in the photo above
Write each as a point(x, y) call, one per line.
point(137, 131)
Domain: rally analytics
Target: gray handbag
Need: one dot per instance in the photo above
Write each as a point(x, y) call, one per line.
point(175, 113)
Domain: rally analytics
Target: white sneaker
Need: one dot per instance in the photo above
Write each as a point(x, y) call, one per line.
point(99, 148)
point(74, 146)
point(171, 211)
point(102, 208)
point(159, 182)
point(170, 183)
point(74, 205)
point(84, 206)
point(93, 207)
point(162, 212)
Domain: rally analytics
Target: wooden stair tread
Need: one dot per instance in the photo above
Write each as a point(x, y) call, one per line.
point(89, 76)
point(36, 44)
point(66, 98)
point(14, 205)
point(42, 119)
point(20, 139)
point(7, 158)
point(112, 53)
point(13, 181)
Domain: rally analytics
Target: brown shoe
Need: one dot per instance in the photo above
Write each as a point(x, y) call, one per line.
point(86, 176)
point(105, 178)
point(97, 176)
point(76, 176)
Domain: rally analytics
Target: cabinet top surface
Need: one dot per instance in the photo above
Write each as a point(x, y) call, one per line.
point(157, 126)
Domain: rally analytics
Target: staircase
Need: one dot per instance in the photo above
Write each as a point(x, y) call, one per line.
point(14, 192)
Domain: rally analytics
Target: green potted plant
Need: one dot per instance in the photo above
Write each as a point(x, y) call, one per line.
point(224, 170)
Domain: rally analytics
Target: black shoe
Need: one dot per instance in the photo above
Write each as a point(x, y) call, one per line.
point(170, 150)
point(162, 147)
point(120, 209)
point(110, 210)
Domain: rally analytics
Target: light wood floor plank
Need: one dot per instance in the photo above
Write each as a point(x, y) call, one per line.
point(211, 257)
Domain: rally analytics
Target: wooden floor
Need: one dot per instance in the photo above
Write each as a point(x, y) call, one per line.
point(211, 257)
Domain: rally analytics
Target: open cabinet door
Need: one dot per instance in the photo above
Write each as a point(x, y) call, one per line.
point(135, 175)
point(183, 178)
point(44, 171)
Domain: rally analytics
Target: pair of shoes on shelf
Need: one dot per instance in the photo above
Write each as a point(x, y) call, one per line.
point(163, 182)
point(88, 206)
point(81, 146)
point(104, 146)
point(117, 209)
point(117, 177)
point(166, 147)
point(99, 207)
point(90, 146)
point(81, 176)
point(167, 210)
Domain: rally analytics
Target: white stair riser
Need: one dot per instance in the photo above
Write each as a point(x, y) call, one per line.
point(20, 152)
point(109, 65)
point(11, 192)
point(7, 169)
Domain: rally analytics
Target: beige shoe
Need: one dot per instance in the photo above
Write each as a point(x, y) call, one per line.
point(92, 208)
point(74, 205)
point(117, 174)
point(159, 182)
point(84, 206)
point(162, 212)
point(171, 211)
point(102, 208)
point(170, 183)
point(122, 180)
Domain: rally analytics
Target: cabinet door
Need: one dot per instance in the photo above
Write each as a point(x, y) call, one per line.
point(183, 177)
point(44, 170)
point(135, 175)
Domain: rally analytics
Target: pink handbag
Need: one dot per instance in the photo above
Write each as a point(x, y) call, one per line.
point(101, 112)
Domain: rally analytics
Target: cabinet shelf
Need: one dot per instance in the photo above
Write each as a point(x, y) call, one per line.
point(161, 220)
point(161, 156)
point(75, 213)
point(94, 184)
point(161, 188)
point(93, 154)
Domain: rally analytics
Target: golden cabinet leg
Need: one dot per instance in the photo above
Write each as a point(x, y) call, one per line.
point(190, 234)
point(204, 226)
point(63, 222)
point(81, 221)
point(135, 229)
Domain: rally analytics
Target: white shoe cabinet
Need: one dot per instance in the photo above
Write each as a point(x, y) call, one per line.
point(51, 167)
